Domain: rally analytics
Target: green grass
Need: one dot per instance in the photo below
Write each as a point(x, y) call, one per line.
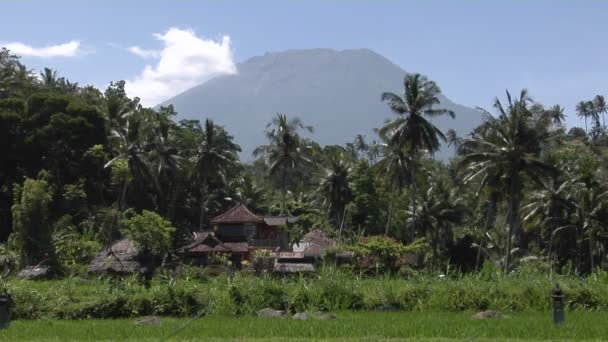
point(369, 326)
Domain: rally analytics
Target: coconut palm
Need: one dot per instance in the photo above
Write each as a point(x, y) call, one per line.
point(214, 158)
point(49, 78)
point(132, 146)
point(550, 207)
point(583, 110)
point(438, 211)
point(396, 165)
point(592, 205)
point(556, 115)
point(508, 147)
point(410, 131)
point(286, 149)
point(600, 107)
point(334, 187)
point(360, 145)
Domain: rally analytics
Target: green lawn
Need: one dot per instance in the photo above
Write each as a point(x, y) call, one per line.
point(370, 326)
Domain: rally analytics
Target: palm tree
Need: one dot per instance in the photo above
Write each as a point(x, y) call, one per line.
point(551, 207)
point(600, 107)
point(49, 78)
point(410, 131)
point(396, 165)
point(250, 193)
point(213, 160)
point(164, 161)
point(286, 149)
point(132, 146)
point(438, 211)
point(583, 110)
point(507, 146)
point(335, 188)
point(556, 114)
point(360, 145)
point(591, 214)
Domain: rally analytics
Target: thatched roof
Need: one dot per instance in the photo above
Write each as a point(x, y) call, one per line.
point(317, 237)
point(205, 242)
point(238, 214)
point(314, 243)
point(121, 258)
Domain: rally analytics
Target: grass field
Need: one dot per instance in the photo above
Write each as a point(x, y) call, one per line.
point(349, 326)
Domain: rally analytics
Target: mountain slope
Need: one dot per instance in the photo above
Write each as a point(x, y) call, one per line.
point(337, 92)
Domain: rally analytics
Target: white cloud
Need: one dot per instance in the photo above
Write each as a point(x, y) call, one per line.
point(184, 62)
point(136, 50)
point(69, 49)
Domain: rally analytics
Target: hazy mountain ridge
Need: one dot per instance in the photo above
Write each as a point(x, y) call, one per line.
point(337, 92)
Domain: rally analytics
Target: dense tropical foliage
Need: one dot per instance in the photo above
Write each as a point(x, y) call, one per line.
point(81, 168)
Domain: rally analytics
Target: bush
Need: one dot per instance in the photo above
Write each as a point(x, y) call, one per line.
point(149, 231)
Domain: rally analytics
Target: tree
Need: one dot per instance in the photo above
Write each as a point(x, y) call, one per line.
point(335, 188)
point(600, 107)
point(550, 207)
point(556, 114)
point(508, 147)
point(213, 160)
point(396, 166)
point(133, 147)
point(49, 78)
point(149, 231)
point(583, 110)
point(410, 131)
point(438, 211)
point(31, 224)
point(286, 150)
point(361, 145)
point(15, 79)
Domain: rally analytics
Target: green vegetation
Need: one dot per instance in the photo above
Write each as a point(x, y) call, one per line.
point(193, 292)
point(521, 205)
point(347, 327)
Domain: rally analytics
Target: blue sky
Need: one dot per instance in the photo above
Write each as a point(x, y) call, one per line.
point(473, 49)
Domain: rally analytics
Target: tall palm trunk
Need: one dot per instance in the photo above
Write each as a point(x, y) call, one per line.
point(414, 204)
point(123, 196)
point(435, 246)
point(388, 219)
point(341, 225)
point(489, 222)
point(513, 215)
point(592, 262)
point(203, 203)
point(283, 190)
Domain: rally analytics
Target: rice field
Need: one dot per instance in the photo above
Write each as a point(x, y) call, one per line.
point(349, 326)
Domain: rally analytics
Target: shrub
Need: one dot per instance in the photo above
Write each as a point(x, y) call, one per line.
point(149, 231)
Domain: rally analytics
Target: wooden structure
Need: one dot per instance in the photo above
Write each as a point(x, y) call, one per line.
point(237, 233)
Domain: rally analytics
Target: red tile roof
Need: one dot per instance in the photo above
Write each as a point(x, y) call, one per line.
point(238, 214)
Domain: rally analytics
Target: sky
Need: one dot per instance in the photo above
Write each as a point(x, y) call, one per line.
point(474, 50)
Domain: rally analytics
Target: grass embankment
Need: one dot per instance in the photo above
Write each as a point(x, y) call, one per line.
point(332, 290)
point(349, 326)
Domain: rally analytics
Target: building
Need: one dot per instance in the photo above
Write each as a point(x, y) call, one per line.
point(237, 233)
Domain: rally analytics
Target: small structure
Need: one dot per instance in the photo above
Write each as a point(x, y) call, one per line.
point(237, 233)
point(120, 258)
point(306, 253)
point(313, 245)
point(205, 244)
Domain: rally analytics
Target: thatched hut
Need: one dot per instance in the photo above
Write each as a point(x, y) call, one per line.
point(122, 257)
